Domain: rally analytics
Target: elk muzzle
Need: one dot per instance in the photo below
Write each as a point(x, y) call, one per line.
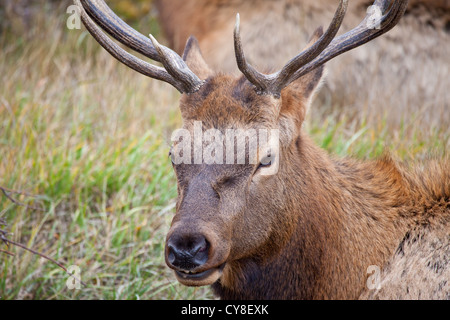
point(187, 252)
point(195, 255)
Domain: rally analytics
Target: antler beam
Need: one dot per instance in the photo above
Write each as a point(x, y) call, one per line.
point(326, 48)
point(175, 70)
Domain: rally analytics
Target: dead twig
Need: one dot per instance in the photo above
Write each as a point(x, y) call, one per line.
point(2, 232)
point(7, 252)
point(6, 192)
point(7, 242)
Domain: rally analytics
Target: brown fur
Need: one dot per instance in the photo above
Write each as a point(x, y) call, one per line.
point(312, 230)
point(407, 69)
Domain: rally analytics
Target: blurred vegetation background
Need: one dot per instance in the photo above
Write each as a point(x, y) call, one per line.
point(14, 13)
point(128, 9)
point(90, 139)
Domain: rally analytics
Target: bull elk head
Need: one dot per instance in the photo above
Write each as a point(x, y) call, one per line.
point(230, 213)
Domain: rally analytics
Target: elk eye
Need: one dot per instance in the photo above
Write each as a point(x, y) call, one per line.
point(266, 161)
point(171, 157)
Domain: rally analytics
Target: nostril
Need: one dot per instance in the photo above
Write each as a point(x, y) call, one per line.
point(187, 252)
point(200, 246)
point(201, 253)
point(171, 254)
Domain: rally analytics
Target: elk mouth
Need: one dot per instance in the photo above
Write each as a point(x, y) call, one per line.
point(196, 279)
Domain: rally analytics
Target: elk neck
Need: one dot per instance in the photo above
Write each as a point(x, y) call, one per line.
point(346, 216)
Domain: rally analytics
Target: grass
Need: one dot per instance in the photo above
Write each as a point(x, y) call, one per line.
point(89, 138)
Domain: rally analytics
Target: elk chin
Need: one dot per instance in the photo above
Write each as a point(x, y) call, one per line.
point(204, 278)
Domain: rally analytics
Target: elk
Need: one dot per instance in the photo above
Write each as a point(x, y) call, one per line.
point(312, 229)
point(407, 68)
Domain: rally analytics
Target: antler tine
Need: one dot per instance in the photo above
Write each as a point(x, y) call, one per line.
point(359, 35)
point(273, 83)
point(120, 54)
point(326, 48)
point(176, 71)
point(176, 66)
point(261, 81)
point(312, 52)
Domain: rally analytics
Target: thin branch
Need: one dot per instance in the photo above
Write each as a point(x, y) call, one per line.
point(4, 238)
point(39, 254)
point(7, 195)
point(7, 252)
point(23, 193)
point(3, 233)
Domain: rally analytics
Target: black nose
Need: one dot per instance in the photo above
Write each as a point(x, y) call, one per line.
point(187, 252)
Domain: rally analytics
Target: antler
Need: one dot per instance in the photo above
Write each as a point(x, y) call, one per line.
point(325, 49)
point(175, 70)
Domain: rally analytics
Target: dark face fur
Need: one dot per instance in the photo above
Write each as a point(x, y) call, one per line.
point(227, 212)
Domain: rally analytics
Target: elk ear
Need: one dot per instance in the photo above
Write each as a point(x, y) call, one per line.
point(310, 83)
point(194, 59)
point(300, 92)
